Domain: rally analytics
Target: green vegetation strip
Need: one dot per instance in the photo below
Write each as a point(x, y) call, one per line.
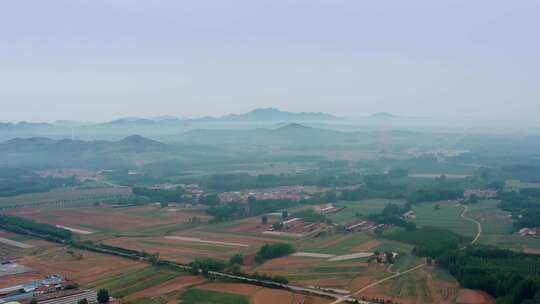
point(197, 296)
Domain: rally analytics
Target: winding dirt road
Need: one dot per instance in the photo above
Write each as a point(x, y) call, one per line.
point(478, 224)
point(377, 283)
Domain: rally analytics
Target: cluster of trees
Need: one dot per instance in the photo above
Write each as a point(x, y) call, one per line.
point(257, 207)
point(392, 214)
point(233, 182)
point(27, 226)
point(227, 212)
point(207, 264)
point(160, 195)
point(272, 251)
point(524, 205)
point(20, 181)
point(430, 242)
point(309, 215)
point(232, 210)
point(509, 276)
point(433, 194)
point(127, 200)
point(209, 199)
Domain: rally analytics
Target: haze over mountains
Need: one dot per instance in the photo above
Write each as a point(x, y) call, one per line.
point(167, 126)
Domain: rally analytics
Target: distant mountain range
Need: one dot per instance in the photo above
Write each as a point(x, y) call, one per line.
point(130, 151)
point(262, 114)
point(168, 127)
point(385, 115)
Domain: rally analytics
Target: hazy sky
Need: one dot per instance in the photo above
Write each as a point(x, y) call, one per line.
point(95, 60)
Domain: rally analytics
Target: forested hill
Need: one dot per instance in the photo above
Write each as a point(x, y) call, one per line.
point(135, 149)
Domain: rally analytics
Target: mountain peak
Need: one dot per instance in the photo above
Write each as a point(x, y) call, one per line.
point(139, 140)
point(382, 115)
point(274, 114)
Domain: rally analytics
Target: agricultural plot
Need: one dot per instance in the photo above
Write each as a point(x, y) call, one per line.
point(198, 296)
point(495, 222)
point(174, 250)
point(426, 285)
point(127, 283)
point(100, 219)
point(497, 228)
point(446, 215)
point(338, 244)
point(48, 258)
point(64, 197)
point(362, 207)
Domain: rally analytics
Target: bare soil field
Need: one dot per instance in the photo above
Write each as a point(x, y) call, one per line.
point(64, 196)
point(250, 225)
point(273, 296)
point(228, 237)
point(173, 249)
point(54, 259)
point(367, 246)
point(468, 296)
point(237, 288)
point(107, 219)
point(19, 279)
point(166, 288)
point(198, 240)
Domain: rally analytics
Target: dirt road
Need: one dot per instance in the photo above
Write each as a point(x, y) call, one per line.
point(378, 282)
point(478, 224)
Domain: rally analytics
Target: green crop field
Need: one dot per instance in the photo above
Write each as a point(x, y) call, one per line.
point(130, 282)
point(65, 196)
point(191, 245)
point(198, 296)
point(393, 246)
point(405, 262)
point(344, 246)
point(494, 220)
point(447, 217)
point(363, 207)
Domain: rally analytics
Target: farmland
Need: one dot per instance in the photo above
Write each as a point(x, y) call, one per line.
point(389, 259)
point(65, 197)
point(444, 215)
point(362, 207)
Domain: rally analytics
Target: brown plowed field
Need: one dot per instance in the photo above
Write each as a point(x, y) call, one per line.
point(168, 287)
point(237, 288)
point(80, 266)
point(274, 296)
point(469, 296)
point(120, 219)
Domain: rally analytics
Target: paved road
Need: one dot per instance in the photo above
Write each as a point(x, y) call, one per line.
point(478, 224)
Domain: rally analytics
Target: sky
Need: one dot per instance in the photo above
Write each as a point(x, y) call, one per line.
point(99, 60)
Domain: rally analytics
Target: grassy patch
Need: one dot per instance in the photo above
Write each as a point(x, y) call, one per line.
point(124, 284)
point(447, 216)
point(343, 247)
point(364, 207)
point(193, 245)
point(335, 269)
point(197, 296)
point(405, 262)
point(393, 246)
point(442, 274)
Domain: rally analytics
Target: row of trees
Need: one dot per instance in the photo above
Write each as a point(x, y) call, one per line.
point(160, 195)
point(233, 182)
point(27, 226)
